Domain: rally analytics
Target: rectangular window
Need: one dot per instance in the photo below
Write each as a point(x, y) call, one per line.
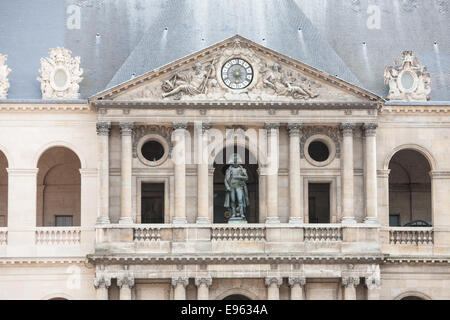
point(152, 203)
point(319, 202)
point(63, 221)
point(394, 220)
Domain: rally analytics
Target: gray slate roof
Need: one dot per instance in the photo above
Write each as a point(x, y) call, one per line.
point(120, 39)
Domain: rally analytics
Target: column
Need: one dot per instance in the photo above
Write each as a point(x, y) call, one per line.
point(103, 131)
point(203, 284)
point(203, 175)
point(371, 172)
point(126, 130)
point(180, 284)
point(179, 159)
point(297, 283)
point(273, 287)
point(101, 284)
point(125, 283)
point(272, 173)
point(295, 189)
point(348, 215)
point(373, 285)
point(89, 187)
point(350, 283)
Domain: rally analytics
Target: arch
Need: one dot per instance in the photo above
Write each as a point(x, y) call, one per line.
point(414, 294)
point(8, 157)
point(57, 296)
point(237, 291)
point(58, 188)
point(63, 144)
point(415, 147)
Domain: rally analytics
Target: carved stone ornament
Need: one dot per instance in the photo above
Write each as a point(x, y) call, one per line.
point(184, 281)
point(331, 132)
point(271, 79)
point(408, 81)
point(373, 279)
point(276, 280)
point(102, 282)
point(301, 280)
point(350, 281)
point(103, 128)
point(4, 72)
point(125, 280)
point(207, 281)
point(141, 131)
point(60, 75)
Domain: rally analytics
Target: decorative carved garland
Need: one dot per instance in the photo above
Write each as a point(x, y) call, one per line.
point(143, 130)
point(332, 132)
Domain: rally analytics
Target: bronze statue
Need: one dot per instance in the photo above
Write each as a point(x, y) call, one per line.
point(236, 197)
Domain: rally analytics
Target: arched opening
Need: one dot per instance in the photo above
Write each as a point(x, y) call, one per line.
point(409, 190)
point(412, 298)
point(58, 188)
point(58, 298)
point(236, 297)
point(221, 164)
point(3, 191)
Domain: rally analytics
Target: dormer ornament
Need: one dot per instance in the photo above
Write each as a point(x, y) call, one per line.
point(408, 81)
point(60, 75)
point(4, 72)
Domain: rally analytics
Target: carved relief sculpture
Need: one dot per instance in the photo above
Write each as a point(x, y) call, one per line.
point(408, 81)
point(4, 72)
point(60, 75)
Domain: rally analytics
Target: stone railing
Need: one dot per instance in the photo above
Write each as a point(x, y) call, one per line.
point(322, 232)
point(3, 236)
point(143, 233)
point(238, 233)
point(411, 235)
point(58, 235)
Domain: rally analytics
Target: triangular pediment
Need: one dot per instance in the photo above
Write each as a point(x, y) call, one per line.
point(237, 69)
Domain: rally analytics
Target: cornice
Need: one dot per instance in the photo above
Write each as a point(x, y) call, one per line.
point(418, 109)
point(43, 260)
point(44, 106)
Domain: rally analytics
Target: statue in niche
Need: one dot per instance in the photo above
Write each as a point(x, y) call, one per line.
point(288, 84)
point(236, 198)
point(190, 82)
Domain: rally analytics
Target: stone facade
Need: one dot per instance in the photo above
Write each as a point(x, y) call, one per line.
point(96, 148)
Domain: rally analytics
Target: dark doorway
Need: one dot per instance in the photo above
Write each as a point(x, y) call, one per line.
point(319, 202)
point(220, 167)
point(152, 203)
point(236, 297)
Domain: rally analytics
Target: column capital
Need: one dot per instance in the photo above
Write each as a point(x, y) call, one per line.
point(370, 129)
point(373, 283)
point(206, 126)
point(180, 125)
point(274, 280)
point(125, 281)
point(350, 281)
point(347, 129)
point(294, 129)
point(271, 125)
point(300, 280)
point(126, 128)
point(103, 128)
point(206, 280)
point(184, 281)
point(102, 282)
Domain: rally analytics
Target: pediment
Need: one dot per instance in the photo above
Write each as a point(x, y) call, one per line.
point(237, 70)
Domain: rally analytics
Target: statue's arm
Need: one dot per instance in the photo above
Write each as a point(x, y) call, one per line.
point(227, 177)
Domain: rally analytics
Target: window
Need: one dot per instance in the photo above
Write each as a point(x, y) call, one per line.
point(394, 220)
point(319, 203)
point(63, 221)
point(152, 150)
point(318, 151)
point(152, 203)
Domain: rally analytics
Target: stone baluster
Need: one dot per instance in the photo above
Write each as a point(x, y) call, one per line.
point(295, 186)
point(348, 215)
point(180, 284)
point(103, 132)
point(272, 173)
point(273, 287)
point(203, 284)
point(179, 158)
point(297, 284)
point(371, 172)
point(126, 130)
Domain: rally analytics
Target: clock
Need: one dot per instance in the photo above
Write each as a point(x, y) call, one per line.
point(237, 74)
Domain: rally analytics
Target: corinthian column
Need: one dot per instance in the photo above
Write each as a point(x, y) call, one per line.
point(371, 172)
point(125, 283)
point(101, 284)
point(126, 129)
point(180, 284)
point(297, 283)
point(103, 131)
point(203, 284)
point(203, 175)
point(295, 196)
point(350, 283)
point(348, 216)
point(273, 287)
point(272, 173)
point(179, 159)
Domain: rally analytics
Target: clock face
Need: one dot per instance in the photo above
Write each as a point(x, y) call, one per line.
point(237, 74)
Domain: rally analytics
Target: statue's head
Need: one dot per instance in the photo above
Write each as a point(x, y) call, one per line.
point(235, 160)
